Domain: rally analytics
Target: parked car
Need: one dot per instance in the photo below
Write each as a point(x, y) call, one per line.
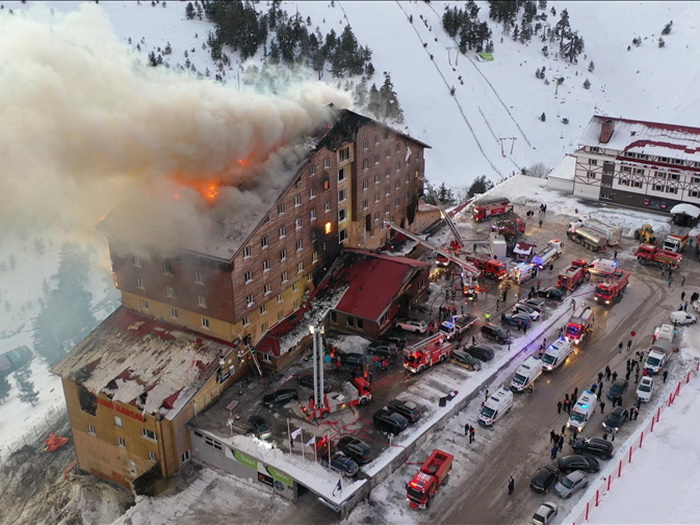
point(400, 342)
point(341, 463)
point(545, 514)
point(645, 388)
point(352, 359)
point(552, 294)
point(544, 478)
point(681, 317)
point(387, 420)
point(615, 419)
point(533, 314)
point(537, 304)
point(566, 488)
point(516, 319)
point(357, 449)
point(496, 333)
point(577, 462)
point(280, 397)
point(382, 349)
point(481, 351)
point(260, 427)
point(617, 389)
point(466, 360)
point(412, 325)
point(308, 382)
point(407, 409)
point(593, 446)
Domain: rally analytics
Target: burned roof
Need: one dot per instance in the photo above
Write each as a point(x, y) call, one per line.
point(155, 366)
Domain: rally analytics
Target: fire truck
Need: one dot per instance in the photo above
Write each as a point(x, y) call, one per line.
point(491, 268)
point(523, 272)
point(510, 227)
point(427, 481)
point(613, 287)
point(574, 275)
point(484, 210)
point(650, 254)
point(458, 325)
point(425, 356)
point(545, 257)
point(352, 393)
point(580, 324)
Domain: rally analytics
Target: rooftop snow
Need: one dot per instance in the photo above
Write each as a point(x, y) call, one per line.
point(128, 356)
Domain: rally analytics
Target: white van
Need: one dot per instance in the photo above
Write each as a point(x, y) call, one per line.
point(556, 354)
point(495, 407)
point(526, 374)
point(665, 331)
point(582, 410)
point(657, 356)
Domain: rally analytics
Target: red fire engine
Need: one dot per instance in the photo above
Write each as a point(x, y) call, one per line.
point(574, 275)
point(419, 358)
point(613, 287)
point(484, 210)
point(580, 324)
point(650, 254)
point(491, 268)
point(426, 483)
point(357, 392)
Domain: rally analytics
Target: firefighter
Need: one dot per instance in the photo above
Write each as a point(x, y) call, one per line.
point(487, 316)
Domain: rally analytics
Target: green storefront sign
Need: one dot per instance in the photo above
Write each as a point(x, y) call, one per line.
point(280, 476)
point(246, 460)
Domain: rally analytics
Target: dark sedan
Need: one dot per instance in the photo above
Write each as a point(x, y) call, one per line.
point(280, 397)
point(544, 478)
point(260, 427)
point(341, 463)
point(356, 449)
point(593, 446)
point(407, 409)
point(576, 462)
point(518, 319)
point(617, 389)
point(496, 333)
point(386, 420)
point(615, 419)
point(483, 352)
point(552, 294)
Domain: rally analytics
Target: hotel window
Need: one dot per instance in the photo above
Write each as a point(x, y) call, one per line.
point(397, 202)
point(314, 257)
point(118, 421)
point(673, 176)
point(263, 309)
point(280, 208)
point(284, 277)
point(344, 154)
point(280, 298)
point(387, 153)
point(121, 442)
point(297, 200)
point(638, 171)
point(376, 197)
point(365, 185)
point(144, 304)
point(398, 165)
point(300, 245)
point(247, 252)
point(249, 300)
point(169, 291)
point(282, 232)
point(152, 456)
point(671, 190)
point(341, 175)
point(327, 207)
point(313, 215)
point(377, 179)
point(248, 276)
point(341, 195)
point(593, 162)
point(658, 187)
point(201, 301)
point(297, 223)
point(300, 266)
point(326, 184)
point(326, 163)
point(343, 235)
point(173, 313)
point(139, 283)
point(263, 242)
point(397, 185)
point(91, 430)
point(342, 214)
point(376, 139)
point(365, 204)
point(386, 209)
point(245, 320)
point(387, 190)
point(266, 265)
point(267, 289)
point(198, 277)
point(312, 193)
point(295, 287)
point(283, 255)
point(636, 184)
point(312, 169)
point(365, 144)
point(387, 172)
point(280, 315)
point(148, 434)
point(136, 260)
point(693, 193)
point(365, 164)
point(205, 323)
point(167, 269)
point(377, 158)
point(263, 327)
point(398, 147)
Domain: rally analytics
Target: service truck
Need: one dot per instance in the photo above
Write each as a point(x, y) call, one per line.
point(556, 353)
point(576, 273)
point(589, 239)
point(613, 234)
point(544, 258)
point(657, 356)
point(491, 268)
point(352, 393)
point(486, 209)
point(526, 375)
point(649, 254)
point(457, 325)
point(676, 243)
point(427, 481)
point(582, 411)
point(580, 324)
point(435, 352)
point(612, 288)
point(523, 272)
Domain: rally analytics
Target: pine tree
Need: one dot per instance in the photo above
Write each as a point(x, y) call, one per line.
point(667, 28)
point(572, 48)
point(480, 185)
point(587, 84)
point(445, 194)
point(390, 102)
point(543, 117)
point(26, 394)
point(5, 388)
point(591, 66)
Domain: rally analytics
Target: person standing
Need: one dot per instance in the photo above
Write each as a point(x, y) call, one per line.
point(554, 451)
point(566, 405)
point(665, 375)
point(575, 396)
point(559, 404)
point(620, 347)
point(602, 406)
point(553, 437)
point(614, 376)
point(511, 485)
point(683, 296)
point(629, 344)
point(472, 434)
point(467, 427)
point(607, 372)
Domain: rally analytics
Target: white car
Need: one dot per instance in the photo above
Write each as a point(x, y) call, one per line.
point(545, 514)
point(410, 325)
point(528, 310)
point(681, 317)
point(645, 389)
point(696, 305)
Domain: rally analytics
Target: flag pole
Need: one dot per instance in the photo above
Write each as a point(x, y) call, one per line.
point(301, 442)
point(289, 437)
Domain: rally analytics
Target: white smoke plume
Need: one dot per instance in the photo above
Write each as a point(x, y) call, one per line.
point(86, 124)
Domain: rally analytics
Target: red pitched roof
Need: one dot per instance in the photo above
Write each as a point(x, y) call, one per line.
point(373, 282)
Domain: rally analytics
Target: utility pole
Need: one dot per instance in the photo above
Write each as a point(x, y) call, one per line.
point(512, 144)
